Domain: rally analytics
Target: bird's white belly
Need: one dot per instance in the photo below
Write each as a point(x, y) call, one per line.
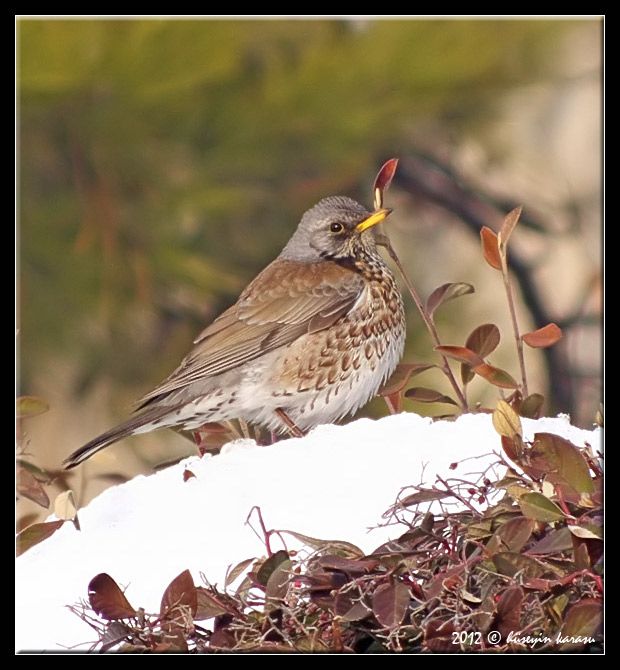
point(314, 407)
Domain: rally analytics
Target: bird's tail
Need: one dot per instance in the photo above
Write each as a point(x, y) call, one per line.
point(141, 423)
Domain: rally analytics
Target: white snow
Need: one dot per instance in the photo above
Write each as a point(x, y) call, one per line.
point(335, 483)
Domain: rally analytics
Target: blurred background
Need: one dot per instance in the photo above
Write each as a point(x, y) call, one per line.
point(163, 163)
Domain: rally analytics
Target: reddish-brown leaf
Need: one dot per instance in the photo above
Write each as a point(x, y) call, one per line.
point(107, 599)
point(446, 292)
point(383, 180)
point(35, 534)
point(483, 340)
point(462, 354)
point(421, 394)
point(554, 542)
point(490, 248)
point(209, 604)
point(564, 461)
point(511, 536)
point(584, 619)
point(495, 376)
point(349, 566)
point(510, 221)
point(546, 336)
point(513, 447)
point(187, 475)
point(30, 487)
point(509, 610)
point(400, 377)
point(350, 607)
point(438, 636)
point(390, 602)
point(181, 593)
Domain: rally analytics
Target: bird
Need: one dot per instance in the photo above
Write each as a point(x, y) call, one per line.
point(309, 341)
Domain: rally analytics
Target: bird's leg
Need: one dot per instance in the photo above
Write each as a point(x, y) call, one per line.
point(289, 423)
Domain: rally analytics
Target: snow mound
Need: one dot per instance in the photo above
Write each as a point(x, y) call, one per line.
point(335, 483)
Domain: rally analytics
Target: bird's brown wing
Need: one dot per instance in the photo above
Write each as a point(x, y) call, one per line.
point(285, 301)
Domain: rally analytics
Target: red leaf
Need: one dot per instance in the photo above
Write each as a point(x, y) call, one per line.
point(107, 599)
point(495, 376)
point(490, 248)
point(509, 610)
point(181, 592)
point(483, 340)
point(462, 354)
point(390, 602)
point(35, 534)
point(438, 636)
point(543, 337)
point(187, 475)
point(447, 292)
point(584, 619)
point(400, 377)
point(383, 180)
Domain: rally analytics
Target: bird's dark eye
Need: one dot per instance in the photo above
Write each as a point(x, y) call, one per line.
point(336, 227)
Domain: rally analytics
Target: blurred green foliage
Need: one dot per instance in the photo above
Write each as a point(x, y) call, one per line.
point(164, 162)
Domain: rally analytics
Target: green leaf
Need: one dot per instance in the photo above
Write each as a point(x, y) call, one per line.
point(536, 506)
point(446, 292)
point(531, 407)
point(276, 587)
point(269, 565)
point(510, 563)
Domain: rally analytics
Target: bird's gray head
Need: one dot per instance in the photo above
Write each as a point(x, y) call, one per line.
point(334, 228)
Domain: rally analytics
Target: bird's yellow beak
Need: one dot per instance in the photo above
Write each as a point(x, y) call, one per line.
point(373, 220)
